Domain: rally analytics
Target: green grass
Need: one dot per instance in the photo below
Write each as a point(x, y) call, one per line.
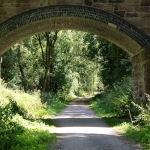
point(22, 119)
point(139, 134)
point(55, 108)
point(37, 135)
point(100, 112)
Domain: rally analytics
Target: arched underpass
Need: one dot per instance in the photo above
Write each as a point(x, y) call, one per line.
point(109, 26)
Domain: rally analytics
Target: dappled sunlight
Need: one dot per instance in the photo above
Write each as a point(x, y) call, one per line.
point(77, 113)
point(77, 127)
point(79, 119)
point(85, 130)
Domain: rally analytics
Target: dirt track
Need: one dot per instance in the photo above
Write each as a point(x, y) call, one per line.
point(78, 128)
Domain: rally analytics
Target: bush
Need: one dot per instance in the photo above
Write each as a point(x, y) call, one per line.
point(116, 99)
point(117, 102)
point(8, 129)
point(17, 130)
point(35, 135)
point(143, 118)
point(138, 134)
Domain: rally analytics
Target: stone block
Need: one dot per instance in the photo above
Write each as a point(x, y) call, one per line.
point(132, 14)
point(88, 2)
point(2, 11)
point(135, 1)
point(144, 15)
point(3, 17)
point(145, 9)
point(100, 1)
point(116, 1)
point(62, 1)
point(146, 30)
point(119, 13)
point(145, 3)
point(1, 3)
point(79, 1)
point(23, 1)
point(16, 4)
point(108, 8)
point(124, 6)
point(139, 22)
point(147, 23)
point(98, 5)
point(9, 1)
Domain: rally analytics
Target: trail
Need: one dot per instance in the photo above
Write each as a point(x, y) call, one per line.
point(78, 128)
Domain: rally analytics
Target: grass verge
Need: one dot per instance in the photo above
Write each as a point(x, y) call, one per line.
point(139, 134)
point(22, 120)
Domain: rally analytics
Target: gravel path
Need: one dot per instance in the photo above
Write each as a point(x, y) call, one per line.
point(78, 128)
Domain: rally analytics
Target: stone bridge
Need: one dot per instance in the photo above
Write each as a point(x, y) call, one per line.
point(123, 22)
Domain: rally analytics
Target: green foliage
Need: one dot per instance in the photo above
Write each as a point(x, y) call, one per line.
point(116, 63)
point(117, 99)
point(54, 102)
point(9, 61)
point(69, 66)
point(143, 117)
point(19, 128)
point(114, 104)
point(35, 135)
point(27, 104)
point(8, 128)
point(138, 133)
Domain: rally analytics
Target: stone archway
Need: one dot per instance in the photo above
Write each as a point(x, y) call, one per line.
point(109, 26)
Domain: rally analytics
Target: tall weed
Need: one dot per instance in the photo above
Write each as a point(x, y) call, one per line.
point(19, 128)
point(116, 99)
point(143, 118)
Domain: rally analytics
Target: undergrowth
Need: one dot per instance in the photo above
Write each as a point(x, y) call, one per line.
point(21, 119)
point(116, 106)
point(114, 101)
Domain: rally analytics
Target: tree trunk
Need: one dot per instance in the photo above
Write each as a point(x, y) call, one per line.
point(0, 67)
point(45, 79)
point(23, 78)
point(50, 43)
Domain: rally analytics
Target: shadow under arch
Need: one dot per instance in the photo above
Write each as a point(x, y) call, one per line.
point(76, 17)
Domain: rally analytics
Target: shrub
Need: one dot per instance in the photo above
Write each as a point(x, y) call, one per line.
point(35, 135)
point(8, 128)
point(116, 99)
point(17, 130)
point(143, 118)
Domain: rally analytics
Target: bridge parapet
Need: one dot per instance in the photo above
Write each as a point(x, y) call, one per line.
point(24, 22)
point(135, 11)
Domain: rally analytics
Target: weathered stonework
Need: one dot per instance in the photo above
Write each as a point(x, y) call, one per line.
point(140, 75)
point(77, 11)
point(110, 19)
point(129, 9)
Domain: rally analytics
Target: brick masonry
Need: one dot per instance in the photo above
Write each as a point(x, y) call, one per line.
point(133, 40)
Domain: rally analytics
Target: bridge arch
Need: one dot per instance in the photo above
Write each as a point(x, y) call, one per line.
point(84, 18)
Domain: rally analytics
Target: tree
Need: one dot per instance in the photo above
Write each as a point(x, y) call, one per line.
point(72, 61)
point(115, 63)
point(20, 65)
point(9, 70)
point(47, 56)
point(0, 66)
